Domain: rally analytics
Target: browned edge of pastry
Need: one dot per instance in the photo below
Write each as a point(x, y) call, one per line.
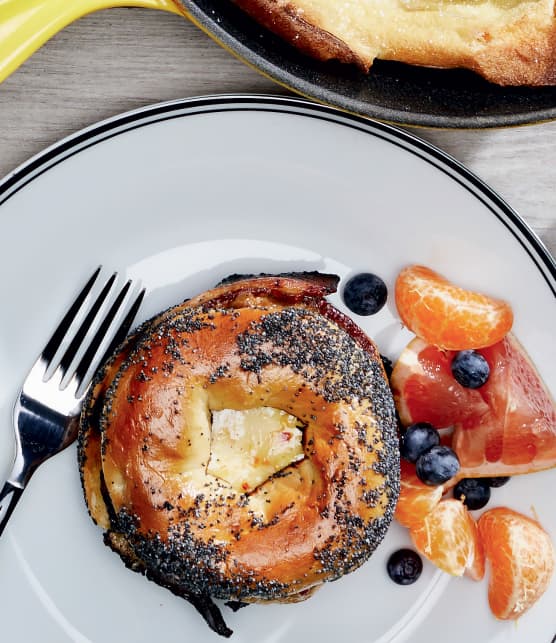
point(283, 20)
point(522, 53)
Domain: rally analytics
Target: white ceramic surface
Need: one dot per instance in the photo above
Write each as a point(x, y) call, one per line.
point(181, 195)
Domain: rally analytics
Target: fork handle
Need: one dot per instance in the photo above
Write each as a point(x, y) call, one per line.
point(9, 497)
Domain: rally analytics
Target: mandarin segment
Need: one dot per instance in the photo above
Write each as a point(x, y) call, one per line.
point(521, 557)
point(416, 499)
point(448, 537)
point(446, 315)
point(477, 561)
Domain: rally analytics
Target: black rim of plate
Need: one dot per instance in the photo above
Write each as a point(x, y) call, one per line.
point(181, 108)
point(392, 92)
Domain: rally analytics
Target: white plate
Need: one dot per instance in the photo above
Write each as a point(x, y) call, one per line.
point(180, 195)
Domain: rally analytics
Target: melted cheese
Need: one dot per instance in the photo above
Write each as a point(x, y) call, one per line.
point(247, 447)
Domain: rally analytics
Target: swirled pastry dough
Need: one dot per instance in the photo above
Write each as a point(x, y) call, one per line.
point(243, 444)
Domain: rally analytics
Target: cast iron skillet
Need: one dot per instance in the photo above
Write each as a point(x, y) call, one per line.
point(392, 92)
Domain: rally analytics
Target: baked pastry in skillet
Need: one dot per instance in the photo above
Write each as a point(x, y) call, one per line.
point(509, 43)
point(242, 445)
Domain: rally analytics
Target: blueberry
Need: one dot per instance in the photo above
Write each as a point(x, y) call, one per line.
point(418, 439)
point(404, 566)
point(470, 369)
point(499, 481)
point(365, 294)
point(388, 366)
point(474, 492)
point(437, 465)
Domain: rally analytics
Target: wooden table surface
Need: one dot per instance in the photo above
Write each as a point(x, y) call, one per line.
point(119, 59)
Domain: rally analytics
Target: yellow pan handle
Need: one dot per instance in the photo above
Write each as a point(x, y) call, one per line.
point(25, 25)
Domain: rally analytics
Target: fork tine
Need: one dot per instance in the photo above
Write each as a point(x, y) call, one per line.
point(124, 327)
point(86, 326)
point(54, 342)
point(91, 354)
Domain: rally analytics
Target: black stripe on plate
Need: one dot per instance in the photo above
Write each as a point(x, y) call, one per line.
point(427, 152)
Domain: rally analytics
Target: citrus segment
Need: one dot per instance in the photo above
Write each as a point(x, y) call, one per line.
point(476, 564)
point(521, 557)
point(448, 537)
point(504, 428)
point(446, 315)
point(426, 391)
point(416, 499)
point(518, 434)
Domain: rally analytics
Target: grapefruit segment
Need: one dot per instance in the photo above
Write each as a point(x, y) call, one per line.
point(425, 389)
point(504, 428)
point(521, 557)
point(446, 315)
point(518, 434)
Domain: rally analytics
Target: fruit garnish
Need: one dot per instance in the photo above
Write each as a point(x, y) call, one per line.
point(518, 434)
point(470, 369)
point(446, 315)
point(437, 465)
point(416, 499)
point(473, 492)
point(417, 439)
point(425, 390)
point(521, 557)
point(388, 366)
point(365, 294)
point(505, 427)
point(404, 566)
point(497, 481)
point(448, 537)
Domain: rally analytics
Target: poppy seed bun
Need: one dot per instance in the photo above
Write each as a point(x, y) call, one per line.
point(269, 346)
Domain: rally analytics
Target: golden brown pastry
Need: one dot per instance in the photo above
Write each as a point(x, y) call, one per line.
point(509, 42)
point(243, 445)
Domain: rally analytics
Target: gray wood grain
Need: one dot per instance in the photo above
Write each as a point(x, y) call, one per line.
point(120, 59)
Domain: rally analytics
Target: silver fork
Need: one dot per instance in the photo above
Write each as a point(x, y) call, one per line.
point(46, 413)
